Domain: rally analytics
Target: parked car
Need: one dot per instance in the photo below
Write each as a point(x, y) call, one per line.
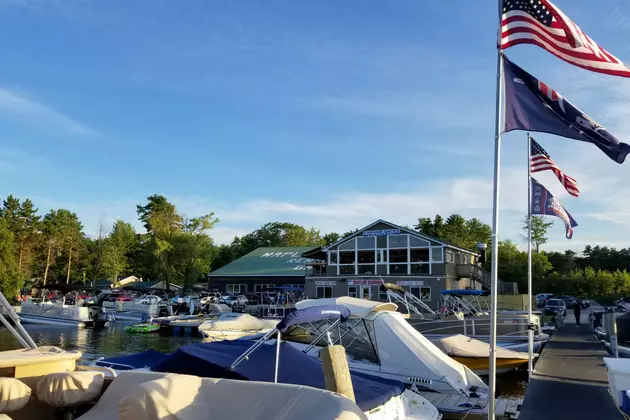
point(235, 302)
point(541, 297)
point(570, 301)
point(555, 307)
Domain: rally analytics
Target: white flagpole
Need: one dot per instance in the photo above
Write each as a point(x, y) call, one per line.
point(495, 229)
point(530, 332)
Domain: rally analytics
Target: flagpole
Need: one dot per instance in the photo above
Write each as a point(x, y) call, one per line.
point(530, 331)
point(494, 266)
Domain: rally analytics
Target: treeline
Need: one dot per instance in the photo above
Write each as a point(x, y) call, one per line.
point(53, 248)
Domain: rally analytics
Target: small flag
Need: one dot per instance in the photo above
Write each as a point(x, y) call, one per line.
point(541, 161)
point(544, 203)
point(539, 22)
point(531, 105)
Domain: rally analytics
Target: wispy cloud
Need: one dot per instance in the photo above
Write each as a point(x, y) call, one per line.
point(38, 115)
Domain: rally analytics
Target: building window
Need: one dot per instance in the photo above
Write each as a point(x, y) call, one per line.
point(398, 255)
point(347, 269)
point(450, 258)
point(419, 255)
point(352, 291)
point(236, 288)
point(366, 257)
point(418, 243)
point(366, 269)
point(420, 268)
point(381, 255)
point(381, 241)
point(398, 241)
point(422, 293)
point(261, 288)
point(347, 257)
point(348, 245)
point(366, 242)
point(436, 254)
point(332, 258)
point(398, 269)
point(324, 292)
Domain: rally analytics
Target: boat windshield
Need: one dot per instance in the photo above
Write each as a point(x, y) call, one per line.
point(356, 335)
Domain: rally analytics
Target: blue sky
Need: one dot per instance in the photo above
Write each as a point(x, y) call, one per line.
point(317, 112)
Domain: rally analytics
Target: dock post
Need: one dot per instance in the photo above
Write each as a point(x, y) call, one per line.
point(613, 335)
point(336, 371)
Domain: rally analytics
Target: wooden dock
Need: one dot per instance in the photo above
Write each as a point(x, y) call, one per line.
point(469, 408)
point(570, 380)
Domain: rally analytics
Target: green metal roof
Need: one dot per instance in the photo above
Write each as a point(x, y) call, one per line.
point(279, 261)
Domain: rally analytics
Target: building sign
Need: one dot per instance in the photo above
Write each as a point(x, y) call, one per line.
point(325, 283)
point(382, 232)
point(364, 282)
point(410, 283)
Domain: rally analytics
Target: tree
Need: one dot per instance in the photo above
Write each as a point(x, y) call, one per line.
point(539, 236)
point(8, 265)
point(194, 248)
point(277, 234)
point(23, 222)
point(456, 230)
point(163, 223)
point(331, 238)
point(120, 243)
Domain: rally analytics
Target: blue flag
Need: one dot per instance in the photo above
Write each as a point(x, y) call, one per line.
point(531, 105)
point(544, 203)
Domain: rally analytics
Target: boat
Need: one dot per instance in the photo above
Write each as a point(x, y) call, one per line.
point(48, 312)
point(230, 326)
point(129, 306)
point(475, 354)
point(66, 390)
point(462, 312)
point(277, 361)
point(379, 341)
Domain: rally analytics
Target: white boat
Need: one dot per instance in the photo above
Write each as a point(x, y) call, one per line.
point(232, 325)
point(140, 308)
point(379, 341)
point(618, 378)
point(58, 313)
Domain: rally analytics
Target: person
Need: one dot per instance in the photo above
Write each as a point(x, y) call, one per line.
point(577, 311)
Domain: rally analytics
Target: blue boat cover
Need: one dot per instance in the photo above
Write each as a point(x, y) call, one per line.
point(133, 361)
point(214, 359)
point(316, 313)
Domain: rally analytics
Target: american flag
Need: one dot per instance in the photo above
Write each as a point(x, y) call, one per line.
point(540, 23)
point(541, 161)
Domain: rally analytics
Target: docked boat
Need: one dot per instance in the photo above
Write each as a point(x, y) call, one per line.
point(59, 313)
point(618, 379)
point(475, 354)
point(125, 306)
point(379, 341)
point(231, 326)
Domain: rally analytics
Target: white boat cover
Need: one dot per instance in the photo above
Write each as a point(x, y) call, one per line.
point(14, 394)
point(461, 346)
point(237, 322)
point(358, 307)
point(403, 350)
point(139, 396)
point(66, 389)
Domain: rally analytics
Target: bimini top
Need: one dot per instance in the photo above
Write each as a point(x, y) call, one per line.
point(314, 313)
point(465, 292)
point(213, 360)
point(358, 307)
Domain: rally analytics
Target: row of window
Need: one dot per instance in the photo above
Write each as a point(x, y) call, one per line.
point(391, 241)
point(365, 292)
point(258, 288)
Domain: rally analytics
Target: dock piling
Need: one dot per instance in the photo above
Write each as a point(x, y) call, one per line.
point(336, 371)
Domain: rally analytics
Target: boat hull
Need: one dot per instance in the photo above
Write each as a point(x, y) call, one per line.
point(44, 320)
point(480, 365)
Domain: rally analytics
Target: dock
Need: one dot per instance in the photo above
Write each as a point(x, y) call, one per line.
point(570, 380)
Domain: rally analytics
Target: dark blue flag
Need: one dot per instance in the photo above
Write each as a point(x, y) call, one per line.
point(543, 202)
point(533, 106)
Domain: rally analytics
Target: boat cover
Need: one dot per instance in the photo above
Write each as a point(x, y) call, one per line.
point(403, 350)
point(312, 314)
point(358, 307)
point(214, 359)
point(133, 361)
point(461, 346)
point(237, 322)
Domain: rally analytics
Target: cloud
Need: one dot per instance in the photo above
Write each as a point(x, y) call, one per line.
point(38, 115)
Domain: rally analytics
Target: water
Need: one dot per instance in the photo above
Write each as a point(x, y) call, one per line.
point(114, 341)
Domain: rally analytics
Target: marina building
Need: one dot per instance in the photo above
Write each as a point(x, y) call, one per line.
point(358, 264)
point(262, 269)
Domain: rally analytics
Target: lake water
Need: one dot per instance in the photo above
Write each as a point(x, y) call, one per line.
point(114, 341)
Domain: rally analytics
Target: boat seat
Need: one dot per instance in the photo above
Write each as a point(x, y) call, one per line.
point(67, 389)
point(14, 395)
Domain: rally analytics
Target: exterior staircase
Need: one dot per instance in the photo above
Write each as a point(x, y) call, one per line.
point(478, 273)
